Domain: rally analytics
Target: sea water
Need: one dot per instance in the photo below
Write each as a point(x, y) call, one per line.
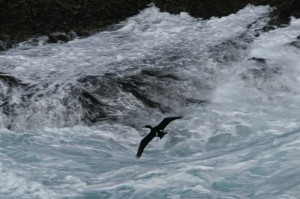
point(236, 86)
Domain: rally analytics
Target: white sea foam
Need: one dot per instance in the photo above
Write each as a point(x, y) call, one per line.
point(243, 143)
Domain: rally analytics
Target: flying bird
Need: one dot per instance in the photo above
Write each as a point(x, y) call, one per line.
point(157, 131)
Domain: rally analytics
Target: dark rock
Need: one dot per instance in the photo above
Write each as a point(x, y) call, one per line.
point(258, 60)
point(221, 52)
point(61, 37)
point(92, 80)
point(25, 19)
point(91, 98)
point(93, 109)
point(261, 73)
point(133, 88)
point(159, 74)
point(296, 43)
point(2, 45)
point(197, 101)
point(284, 9)
point(4, 103)
point(10, 80)
point(201, 8)
point(28, 18)
point(5, 42)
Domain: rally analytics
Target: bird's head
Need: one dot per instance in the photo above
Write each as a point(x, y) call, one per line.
point(148, 126)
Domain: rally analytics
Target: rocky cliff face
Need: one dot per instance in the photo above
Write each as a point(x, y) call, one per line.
point(218, 8)
point(20, 20)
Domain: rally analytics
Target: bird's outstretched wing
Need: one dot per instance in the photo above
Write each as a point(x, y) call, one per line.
point(144, 142)
point(167, 121)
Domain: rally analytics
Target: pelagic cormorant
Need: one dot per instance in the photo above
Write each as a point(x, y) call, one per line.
point(156, 131)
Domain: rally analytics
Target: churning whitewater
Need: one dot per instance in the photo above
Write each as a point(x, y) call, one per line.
point(71, 115)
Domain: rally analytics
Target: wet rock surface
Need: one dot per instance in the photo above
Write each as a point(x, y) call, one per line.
point(60, 37)
point(93, 99)
point(20, 20)
point(10, 80)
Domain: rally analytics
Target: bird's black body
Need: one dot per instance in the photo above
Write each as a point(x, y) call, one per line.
point(156, 131)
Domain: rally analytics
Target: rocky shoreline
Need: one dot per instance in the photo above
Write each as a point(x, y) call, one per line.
point(21, 20)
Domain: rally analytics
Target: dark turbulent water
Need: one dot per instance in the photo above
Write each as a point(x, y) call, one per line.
point(71, 115)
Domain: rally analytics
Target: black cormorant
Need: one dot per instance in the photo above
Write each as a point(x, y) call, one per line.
point(156, 131)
